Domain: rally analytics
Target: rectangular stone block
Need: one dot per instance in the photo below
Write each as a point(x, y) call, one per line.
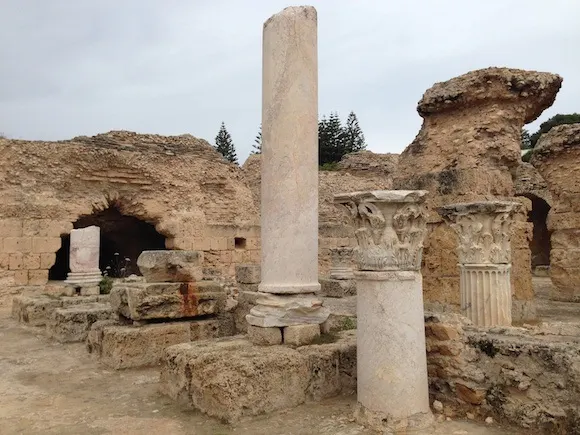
point(300, 335)
point(45, 244)
point(337, 288)
point(264, 336)
point(246, 300)
point(201, 244)
point(20, 277)
point(248, 273)
point(10, 228)
point(47, 260)
point(4, 260)
point(37, 277)
point(143, 301)
point(45, 227)
point(31, 261)
point(73, 323)
point(15, 261)
point(17, 244)
point(171, 266)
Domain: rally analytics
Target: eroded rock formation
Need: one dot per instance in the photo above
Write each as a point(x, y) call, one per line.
point(557, 158)
point(468, 149)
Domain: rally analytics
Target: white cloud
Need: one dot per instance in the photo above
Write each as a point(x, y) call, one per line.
point(85, 67)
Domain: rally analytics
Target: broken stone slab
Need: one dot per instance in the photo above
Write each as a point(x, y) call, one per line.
point(169, 300)
point(126, 346)
point(231, 378)
point(337, 288)
point(287, 310)
point(248, 273)
point(171, 266)
point(246, 301)
point(36, 310)
point(73, 323)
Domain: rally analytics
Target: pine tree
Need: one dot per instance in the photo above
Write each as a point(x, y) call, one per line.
point(224, 144)
point(526, 141)
point(353, 136)
point(257, 145)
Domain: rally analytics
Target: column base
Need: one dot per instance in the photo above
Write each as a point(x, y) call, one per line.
point(287, 310)
point(388, 425)
point(84, 279)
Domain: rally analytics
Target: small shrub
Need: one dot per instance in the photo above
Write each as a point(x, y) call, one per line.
point(105, 285)
point(347, 323)
point(330, 337)
point(330, 166)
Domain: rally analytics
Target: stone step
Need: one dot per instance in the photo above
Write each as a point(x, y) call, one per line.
point(73, 323)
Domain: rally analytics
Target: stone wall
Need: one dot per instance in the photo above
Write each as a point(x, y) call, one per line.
point(358, 171)
point(557, 158)
point(179, 184)
point(468, 149)
point(516, 375)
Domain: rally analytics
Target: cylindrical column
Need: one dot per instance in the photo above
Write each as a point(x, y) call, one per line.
point(486, 294)
point(289, 215)
point(484, 230)
point(392, 384)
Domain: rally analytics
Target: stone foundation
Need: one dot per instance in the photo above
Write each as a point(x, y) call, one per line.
point(73, 323)
point(232, 378)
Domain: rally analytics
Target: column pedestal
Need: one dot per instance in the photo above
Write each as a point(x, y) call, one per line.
point(392, 385)
point(486, 297)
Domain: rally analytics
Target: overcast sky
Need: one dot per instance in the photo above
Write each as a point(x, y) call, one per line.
point(82, 67)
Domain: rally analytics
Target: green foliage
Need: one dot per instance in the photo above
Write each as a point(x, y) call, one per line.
point(527, 156)
point(334, 140)
point(347, 323)
point(526, 142)
point(329, 337)
point(105, 285)
point(555, 120)
point(225, 145)
point(257, 145)
point(331, 166)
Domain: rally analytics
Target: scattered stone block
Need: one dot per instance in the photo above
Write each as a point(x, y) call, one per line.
point(264, 336)
point(248, 273)
point(246, 300)
point(73, 323)
point(144, 301)
point(231, 378)
point(171, 266)
point(300, 335)
point(90, 290)
point(337, 288)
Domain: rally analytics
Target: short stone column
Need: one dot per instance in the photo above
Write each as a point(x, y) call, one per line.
point(84, 258)
point(392, 386)
point(484, 252)
point(341, 263)
point(289, 180)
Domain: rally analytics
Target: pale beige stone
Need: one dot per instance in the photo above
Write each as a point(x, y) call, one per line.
point(17, 244)
point(341, 263)
point(263, 336)
point(287, 310)
point(171, 266)
point(37, 277)
point(300, 335)
point(45, 244)
point(84, 249)
point(248, 273)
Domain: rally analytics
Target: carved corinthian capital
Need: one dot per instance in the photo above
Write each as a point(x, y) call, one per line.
point(483, 228)
point(389, 226)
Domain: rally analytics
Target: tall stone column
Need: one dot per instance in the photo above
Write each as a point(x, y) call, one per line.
point(392, 387)
point(484, 230)
point(289, 183)
point(84, 257)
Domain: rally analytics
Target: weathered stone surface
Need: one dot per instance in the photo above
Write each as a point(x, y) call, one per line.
point(248, 273)
point(171, 266)
point(337, 288)
point(231, 378)
point(557, 158)
point(246, 301)
point(73, 323)
point(368, 164)
point(264, 336)
point(287, 310)
point(143, 301)
point(300, 335)
point(467, 150)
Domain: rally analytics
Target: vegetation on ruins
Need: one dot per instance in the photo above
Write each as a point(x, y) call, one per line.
point(529, 140)
point(225, 145)
point(336, 140)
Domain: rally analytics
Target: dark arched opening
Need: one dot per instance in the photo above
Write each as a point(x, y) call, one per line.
point(123, 238)
point(540, 244)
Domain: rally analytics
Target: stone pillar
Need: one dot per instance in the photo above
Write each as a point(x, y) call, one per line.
point(84, 257)
point(484, 252)
point(392, 387)
point(341, 259)
point(289, 181)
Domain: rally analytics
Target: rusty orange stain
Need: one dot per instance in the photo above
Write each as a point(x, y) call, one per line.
point(189, 296)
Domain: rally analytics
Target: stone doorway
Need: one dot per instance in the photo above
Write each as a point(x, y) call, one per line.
point(540, 244)
point(123, 238)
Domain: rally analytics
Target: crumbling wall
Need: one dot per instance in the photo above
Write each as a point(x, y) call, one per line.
point(468, 149)
point(358, 171)
point(557, 158)
point(179, 184)
point(518, 376)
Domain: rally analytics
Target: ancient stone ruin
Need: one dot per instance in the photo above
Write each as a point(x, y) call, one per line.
point(401, 286)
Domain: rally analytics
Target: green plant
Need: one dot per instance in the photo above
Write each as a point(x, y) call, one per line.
point(105, 285)
point(329, 337)
point(330, 166)
point(347, 323)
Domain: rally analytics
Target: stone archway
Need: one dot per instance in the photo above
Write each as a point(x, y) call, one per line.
point(540, 244)
point(123, 238)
